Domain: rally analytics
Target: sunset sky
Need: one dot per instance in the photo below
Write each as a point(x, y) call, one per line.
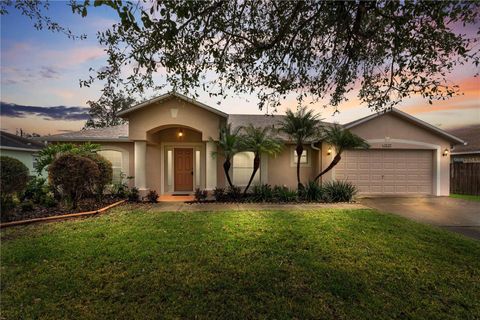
point(40, 73)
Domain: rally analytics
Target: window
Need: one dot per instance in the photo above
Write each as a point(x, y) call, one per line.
point(243, 168)
point(115, 157)
point(303, 157)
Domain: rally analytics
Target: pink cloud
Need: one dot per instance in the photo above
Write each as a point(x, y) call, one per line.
point(73, 56)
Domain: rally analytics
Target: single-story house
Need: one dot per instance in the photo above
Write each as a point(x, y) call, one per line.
point(468, 153)
point(20, 148)
point(168, 142)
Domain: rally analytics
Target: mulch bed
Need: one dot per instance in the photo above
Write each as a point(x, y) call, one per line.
point(41, 212)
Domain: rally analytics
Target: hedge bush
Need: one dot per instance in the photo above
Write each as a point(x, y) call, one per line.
point(73, 176)
point(13, 180)
point(106, 173)
point(14, 176)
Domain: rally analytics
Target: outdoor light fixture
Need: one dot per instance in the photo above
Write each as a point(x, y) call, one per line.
point(180, 133)
point(445, 152)
point(329, 151)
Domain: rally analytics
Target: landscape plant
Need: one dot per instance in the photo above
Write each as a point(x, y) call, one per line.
point(284, 194)
point(338, 191)
point(152, 196)
point(105, 173)
point(233, 193)
point(39, 192)
point(262, 193)
point(133, 195)
point(341, 139)
point(259, 141)
point(302, 127)
point(47, 155)
point(228, 144)
point(200, 195)
point(313, 192)
point(120, 188)
point(73, 176)
point(13, 181)
point(219, 194)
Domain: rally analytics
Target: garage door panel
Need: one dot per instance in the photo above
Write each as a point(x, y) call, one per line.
point(388, 171)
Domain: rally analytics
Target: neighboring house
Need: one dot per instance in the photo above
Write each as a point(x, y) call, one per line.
point(471, 151)
point(20, 148)
point(167, 146)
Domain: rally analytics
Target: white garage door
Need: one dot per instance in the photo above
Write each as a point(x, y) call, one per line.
point(388, 171)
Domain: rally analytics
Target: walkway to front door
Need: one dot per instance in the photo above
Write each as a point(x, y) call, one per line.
point(183, 169)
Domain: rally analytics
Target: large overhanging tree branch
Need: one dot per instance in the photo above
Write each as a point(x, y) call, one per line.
point(388, 50)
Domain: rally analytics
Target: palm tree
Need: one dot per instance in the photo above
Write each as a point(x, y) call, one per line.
point(229, 144)
point(341, 139)
point(300, 126)
point(258, 140)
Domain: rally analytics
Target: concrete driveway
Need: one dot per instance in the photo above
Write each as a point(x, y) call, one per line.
point(456, 215)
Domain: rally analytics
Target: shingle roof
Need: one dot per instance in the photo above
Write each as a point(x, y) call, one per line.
point(8, 140)
point(115, 133)
point(471, 135)
point(261, 120)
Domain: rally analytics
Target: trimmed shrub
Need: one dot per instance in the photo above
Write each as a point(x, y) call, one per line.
point(152, 196)
point(262, 193)
point(219, 194)
point(133, 195)
point(283, 194)
point(73, 176)
point(13, 180)
point(313, 192)
point(200, 195)
point(14, 176)
point(233, 193)
point(339, 191)
point(105, 173)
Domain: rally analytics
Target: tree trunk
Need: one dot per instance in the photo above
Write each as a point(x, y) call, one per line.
point(256, 166)
point(334, 162)
point(226, 168)
point(299, 150)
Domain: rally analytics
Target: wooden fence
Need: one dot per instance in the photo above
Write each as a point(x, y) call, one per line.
point(465, 178)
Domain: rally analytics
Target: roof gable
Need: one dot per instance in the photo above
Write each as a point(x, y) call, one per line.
point(409, 118)
point(168, 95)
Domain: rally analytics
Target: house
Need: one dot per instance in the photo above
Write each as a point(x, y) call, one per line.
point(167, 146)
point(470, 152)
point(20, 148)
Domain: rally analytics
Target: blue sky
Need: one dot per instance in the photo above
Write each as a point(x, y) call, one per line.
point(41, 70)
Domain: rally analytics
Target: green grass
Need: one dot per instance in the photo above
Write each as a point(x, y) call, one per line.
point(466, 197)
point(137, 263)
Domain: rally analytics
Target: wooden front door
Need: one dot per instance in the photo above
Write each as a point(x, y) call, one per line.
point(183, 168)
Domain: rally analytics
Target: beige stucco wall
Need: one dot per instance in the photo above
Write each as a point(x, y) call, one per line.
point(158, 115)
point(391, 132)
point(384, 132)
point(282, 171)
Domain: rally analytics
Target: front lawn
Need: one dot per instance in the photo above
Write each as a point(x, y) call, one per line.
point(466, 197)
point(138, 263)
